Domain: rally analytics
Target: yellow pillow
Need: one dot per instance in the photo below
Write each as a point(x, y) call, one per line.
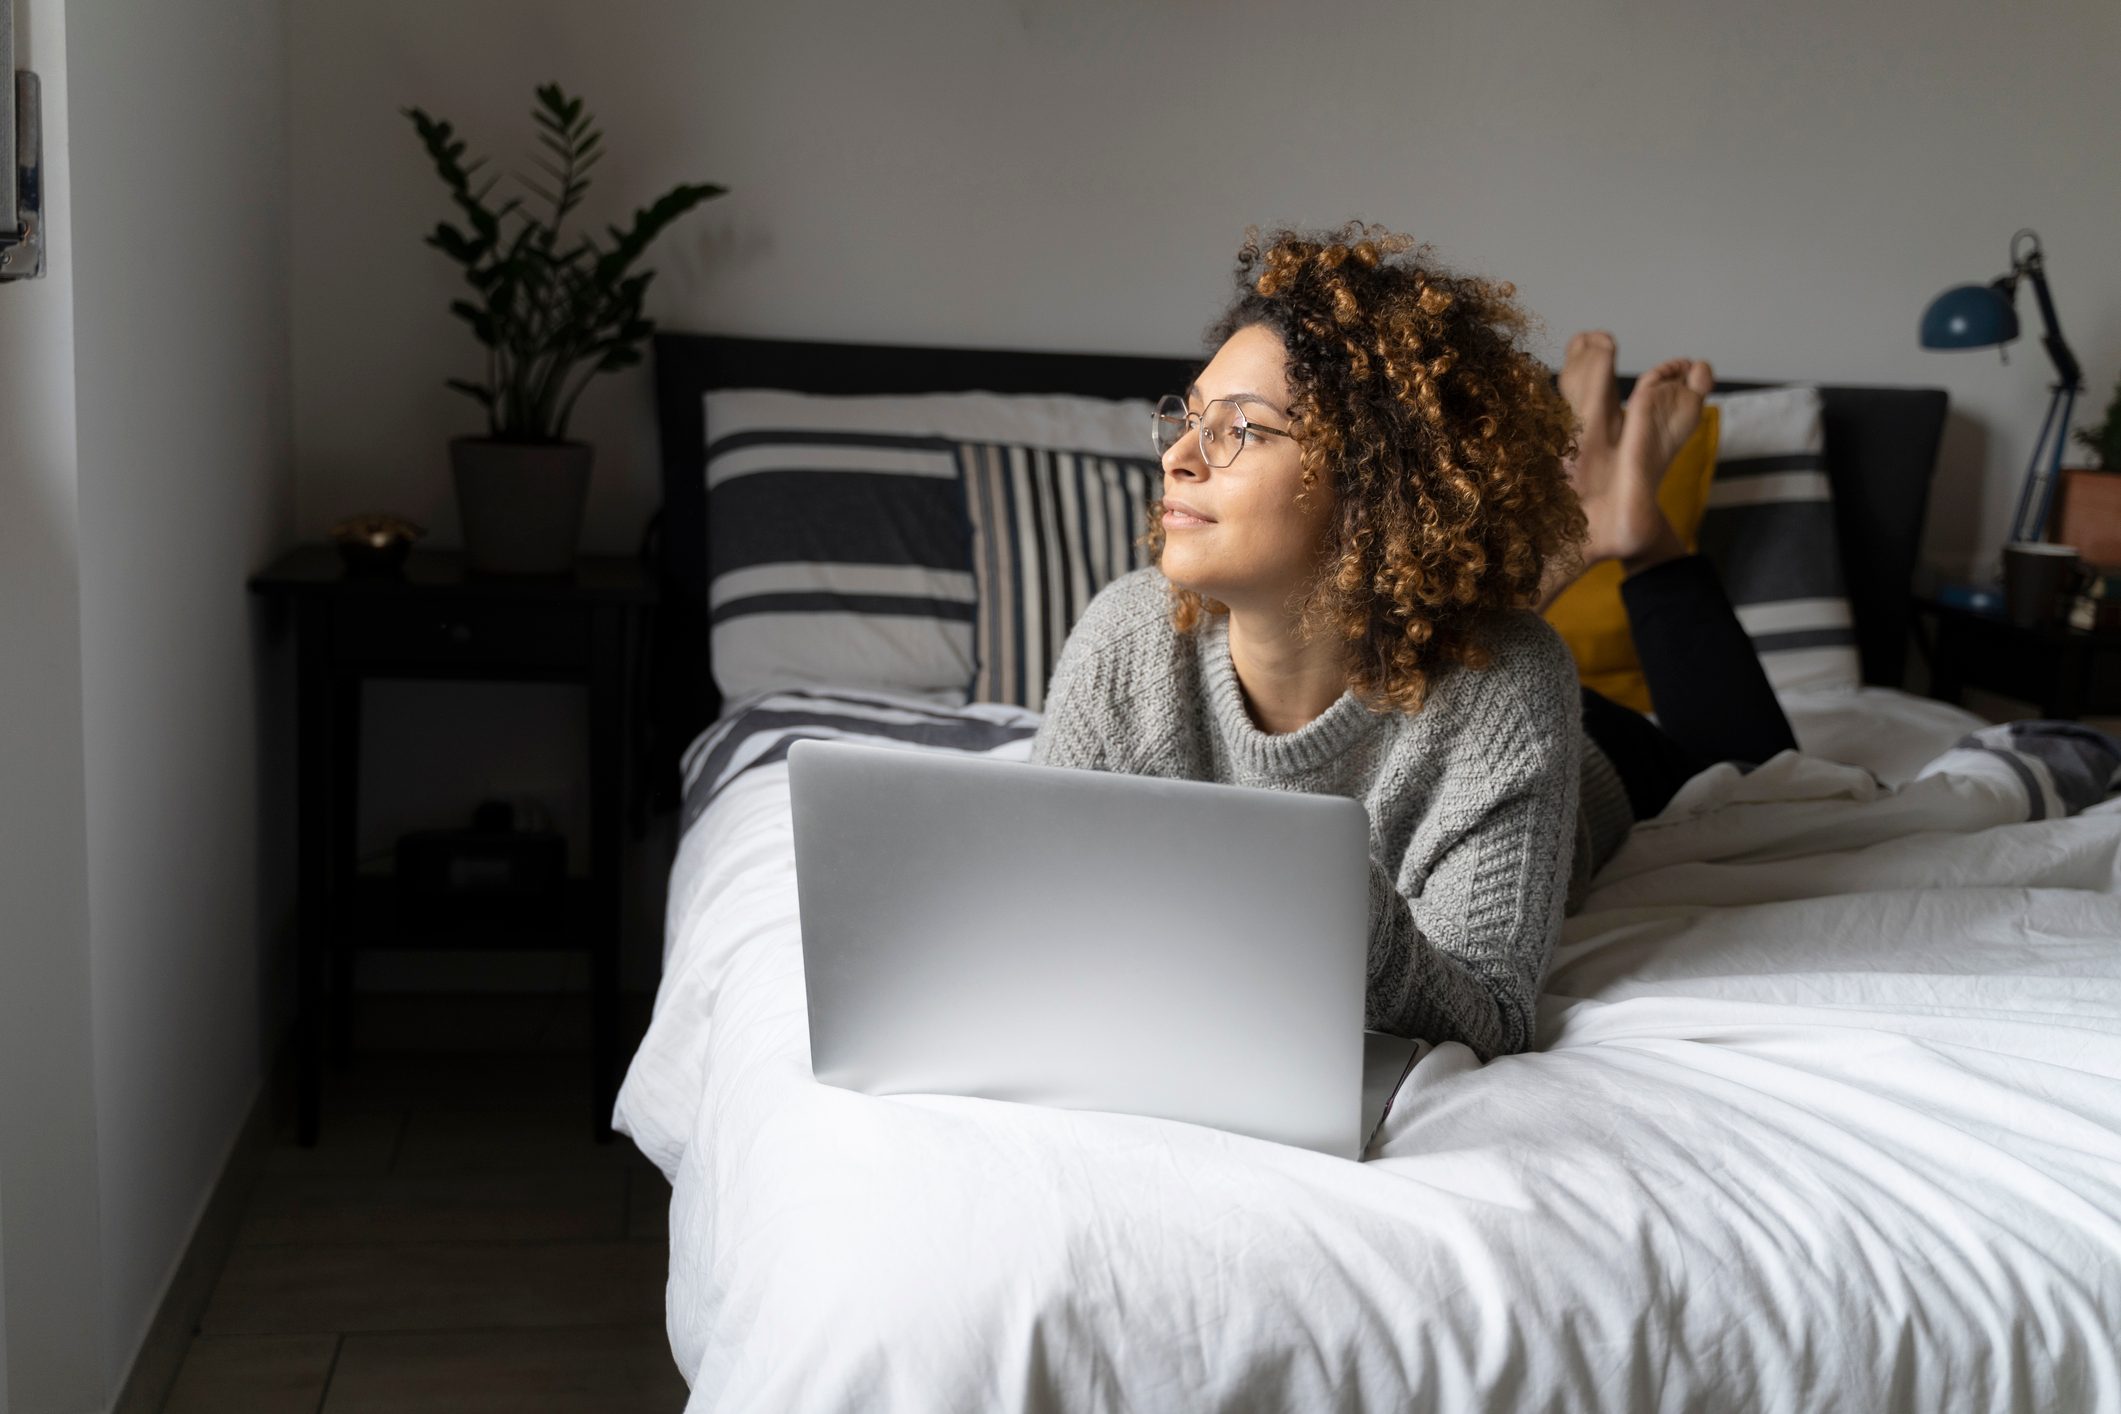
point(1589, 615)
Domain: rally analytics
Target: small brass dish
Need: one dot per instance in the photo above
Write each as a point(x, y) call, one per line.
point(375, 546)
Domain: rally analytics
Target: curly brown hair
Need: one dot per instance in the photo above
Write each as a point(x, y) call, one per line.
point(1443, 442)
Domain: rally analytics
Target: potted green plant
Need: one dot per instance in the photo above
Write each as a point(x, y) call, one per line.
point(2090, 514)
point(2103, 440)
point(553, 309)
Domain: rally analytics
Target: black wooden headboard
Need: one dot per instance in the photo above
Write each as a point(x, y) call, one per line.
point(1881, 449)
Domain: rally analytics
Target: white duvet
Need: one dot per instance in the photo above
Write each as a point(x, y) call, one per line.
point(1825, 1114)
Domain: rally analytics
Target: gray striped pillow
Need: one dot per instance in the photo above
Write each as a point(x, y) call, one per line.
point(1049, 529)
point(836, 557)
point(1769, 530)
point(840, 552)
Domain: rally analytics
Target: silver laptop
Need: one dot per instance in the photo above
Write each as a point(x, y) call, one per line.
point(1089, 940)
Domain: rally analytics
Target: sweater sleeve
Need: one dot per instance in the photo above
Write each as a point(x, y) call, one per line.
point(1460, 954)
point(1097, 707)
point(1078, 728)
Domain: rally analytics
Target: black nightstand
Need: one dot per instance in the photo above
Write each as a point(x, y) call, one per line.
point(439, 620)
point(2065, 672)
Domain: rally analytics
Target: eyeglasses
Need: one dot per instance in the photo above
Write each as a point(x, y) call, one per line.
point(1222, 425)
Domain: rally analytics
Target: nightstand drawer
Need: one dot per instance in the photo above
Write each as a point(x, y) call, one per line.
point(468, 636)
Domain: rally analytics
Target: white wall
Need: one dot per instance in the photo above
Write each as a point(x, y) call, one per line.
point(1781, 189)
point(48, 1226)
point(181, 351)
point(145, 430)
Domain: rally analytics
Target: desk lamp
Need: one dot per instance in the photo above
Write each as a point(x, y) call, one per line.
point(1982, 316)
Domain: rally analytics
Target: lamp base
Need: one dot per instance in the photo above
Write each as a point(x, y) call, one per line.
point(1974, 598)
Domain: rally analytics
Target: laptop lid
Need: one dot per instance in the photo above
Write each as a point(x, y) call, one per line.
point(1084, 939)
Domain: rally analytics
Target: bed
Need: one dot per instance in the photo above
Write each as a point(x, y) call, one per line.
point(1825, 1110)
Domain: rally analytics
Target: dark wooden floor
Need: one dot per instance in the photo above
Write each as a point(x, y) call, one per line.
point(455, 1242)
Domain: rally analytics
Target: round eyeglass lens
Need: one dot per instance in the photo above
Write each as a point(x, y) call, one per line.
point(1219, 442)
point(1169, 424)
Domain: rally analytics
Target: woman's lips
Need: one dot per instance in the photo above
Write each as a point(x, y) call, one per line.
point(1179, 514)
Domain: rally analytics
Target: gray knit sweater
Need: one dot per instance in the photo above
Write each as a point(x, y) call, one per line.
point(1488, 809)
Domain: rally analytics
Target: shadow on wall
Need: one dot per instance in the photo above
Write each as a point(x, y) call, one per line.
point(1954, 522)
point(723, 246)
point(272, 650)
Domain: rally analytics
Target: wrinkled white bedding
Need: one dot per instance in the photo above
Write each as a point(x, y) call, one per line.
point(1826, 1113)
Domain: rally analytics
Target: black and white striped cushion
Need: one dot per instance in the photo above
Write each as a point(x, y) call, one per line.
point(836, 557)
point(840, 551)
point(1049, 529)
point(1769, 530)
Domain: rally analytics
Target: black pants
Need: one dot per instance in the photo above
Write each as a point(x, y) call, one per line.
point(1712, 699)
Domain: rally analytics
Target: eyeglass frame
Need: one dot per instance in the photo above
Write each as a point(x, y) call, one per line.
point(1197, 423)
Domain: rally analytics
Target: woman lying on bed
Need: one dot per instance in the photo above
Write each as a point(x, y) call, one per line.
point(1367, 493)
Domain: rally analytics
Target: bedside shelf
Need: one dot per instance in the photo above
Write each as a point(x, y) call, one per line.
point(439, 620)
point(2065, 672)
point(380, 917)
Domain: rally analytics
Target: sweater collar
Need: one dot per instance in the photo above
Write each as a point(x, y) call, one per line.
point(1318, 742)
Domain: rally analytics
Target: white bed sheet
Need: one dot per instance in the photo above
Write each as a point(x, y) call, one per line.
point(1892, 734)
point(1826, 1113)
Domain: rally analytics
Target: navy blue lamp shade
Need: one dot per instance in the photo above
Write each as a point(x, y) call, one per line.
point(1969, 317)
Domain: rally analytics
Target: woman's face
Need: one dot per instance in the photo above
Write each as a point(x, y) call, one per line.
point(1235, 533)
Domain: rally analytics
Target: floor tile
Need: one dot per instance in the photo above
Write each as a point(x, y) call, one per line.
point(528, 1205)
point(351, 1139)
point(605, 1371)
point(506, 1139)
point(432, 1286)
point(267, 1374)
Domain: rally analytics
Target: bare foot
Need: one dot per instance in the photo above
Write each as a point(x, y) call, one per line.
point(1587, 382)
point(1663, 412)
point(1617, 468)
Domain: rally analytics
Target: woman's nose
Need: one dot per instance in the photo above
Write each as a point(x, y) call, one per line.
point(1183, 458)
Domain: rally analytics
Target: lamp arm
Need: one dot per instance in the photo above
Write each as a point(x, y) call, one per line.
point(2067, 372)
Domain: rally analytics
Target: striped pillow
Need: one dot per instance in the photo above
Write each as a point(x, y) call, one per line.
point(836, 558)
point(1769, 530)
point(1049, 529)
point(839, 549)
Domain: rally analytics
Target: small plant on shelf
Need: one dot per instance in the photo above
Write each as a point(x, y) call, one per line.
point(553, 306)
point(550, 315)
point(2103, 440)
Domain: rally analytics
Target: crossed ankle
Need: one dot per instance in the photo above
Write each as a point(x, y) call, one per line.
point(1665, 547)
